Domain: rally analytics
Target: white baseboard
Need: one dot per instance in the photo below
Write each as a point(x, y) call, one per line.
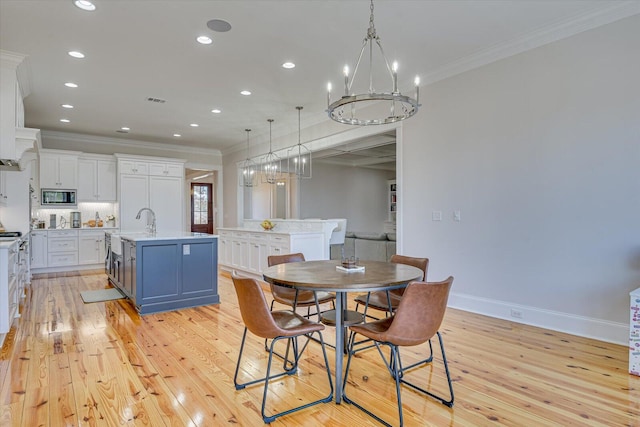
point(603, 330)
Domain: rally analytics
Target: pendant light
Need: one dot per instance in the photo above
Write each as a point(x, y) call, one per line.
point(271, 163)
point(299, 157)
point(249, 169)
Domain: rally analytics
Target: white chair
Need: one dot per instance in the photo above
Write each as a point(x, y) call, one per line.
point(338, 234)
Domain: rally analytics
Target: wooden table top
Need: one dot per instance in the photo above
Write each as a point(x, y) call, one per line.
point(323, 275)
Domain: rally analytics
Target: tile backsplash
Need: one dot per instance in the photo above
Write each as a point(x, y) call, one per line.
point(87, 212)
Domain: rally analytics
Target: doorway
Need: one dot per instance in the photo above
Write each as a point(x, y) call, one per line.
point(202, 208)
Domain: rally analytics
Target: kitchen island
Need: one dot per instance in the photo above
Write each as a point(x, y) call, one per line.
point(164, 271)
point(247, 248)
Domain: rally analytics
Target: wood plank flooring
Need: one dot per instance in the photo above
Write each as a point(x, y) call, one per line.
point(67, 363)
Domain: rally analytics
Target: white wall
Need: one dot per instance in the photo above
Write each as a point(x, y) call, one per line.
point(358, 194)
point(541, 154)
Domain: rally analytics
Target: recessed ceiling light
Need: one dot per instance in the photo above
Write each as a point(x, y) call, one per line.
point(194, 125)
point(65, 120)
point(125, 128)
point(219, 25)
point(245, 93)
point(67, 106)
point(76, 54)
point(177, 135)
point(288, 65)
point(69, 84)
point(216, 111)
point(85, 5)
point(204, 40)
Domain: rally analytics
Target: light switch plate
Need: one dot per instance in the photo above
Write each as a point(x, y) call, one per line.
point(456, 216)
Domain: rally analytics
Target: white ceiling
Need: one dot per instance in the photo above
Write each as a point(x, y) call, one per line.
point(142, 48)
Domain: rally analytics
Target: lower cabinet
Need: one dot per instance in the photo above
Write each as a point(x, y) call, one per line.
point(247, 250)
point(62, 248)
point(9, 297)
point(39, 248)
point(67, 248)
point(91, 247)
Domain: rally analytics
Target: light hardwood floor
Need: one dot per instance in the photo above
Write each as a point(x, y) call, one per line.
point(69, 364)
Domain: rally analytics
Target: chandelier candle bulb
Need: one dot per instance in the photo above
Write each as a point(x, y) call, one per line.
point(329, 94)
point(346, 80)
point(395, 76)
point(417, 83)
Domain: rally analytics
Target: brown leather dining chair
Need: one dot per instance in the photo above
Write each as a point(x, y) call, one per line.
point(276, 326)
point(287, 296)
point(388, 301)
point(416, 321)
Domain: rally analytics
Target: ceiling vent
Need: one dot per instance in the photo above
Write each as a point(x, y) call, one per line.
point(156, 100)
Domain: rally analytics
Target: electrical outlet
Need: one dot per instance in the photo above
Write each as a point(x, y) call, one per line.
point(516, 313)
point(436, 216)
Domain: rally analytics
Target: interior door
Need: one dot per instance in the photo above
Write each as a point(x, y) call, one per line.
point(202, 208)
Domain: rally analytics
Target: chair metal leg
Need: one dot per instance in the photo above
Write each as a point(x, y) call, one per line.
point(270, 418)
point(449, 402)
point(268, 377)
point(423, 361)
point(394, 365)
point(240, 386)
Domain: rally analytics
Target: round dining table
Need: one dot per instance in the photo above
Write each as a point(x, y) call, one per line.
point(328, 276)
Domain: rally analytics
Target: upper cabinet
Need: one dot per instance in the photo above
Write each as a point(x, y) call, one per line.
point(96, 179)
point(154, 183)
point(14, 138)
point(133, 167)
point(166, 169)
point(59, 169)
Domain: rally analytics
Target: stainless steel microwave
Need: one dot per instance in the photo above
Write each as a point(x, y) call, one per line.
point(54, 197)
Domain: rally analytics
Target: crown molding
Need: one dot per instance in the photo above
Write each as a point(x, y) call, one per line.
point(128, 143)
point(549, 34)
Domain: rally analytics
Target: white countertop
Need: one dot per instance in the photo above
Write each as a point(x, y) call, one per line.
point(274, 231)
point(5, 244)
point(175, 235)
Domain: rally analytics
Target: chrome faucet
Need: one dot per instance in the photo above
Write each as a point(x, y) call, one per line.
point(153, 219)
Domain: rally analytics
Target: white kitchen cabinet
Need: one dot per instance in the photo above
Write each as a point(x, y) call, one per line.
point(247, 250)
point(239, 254)
point(9, 297)
point(96, 179)
point(62, 248)
point(224, 247)
point(58, 169)
point(39, 248)
point(91, 249)
point(133, 167)
point(258, 250)
point(166, 200)
point(134, 195)
point(160, 189)
point(279, 244)
point(166, 169)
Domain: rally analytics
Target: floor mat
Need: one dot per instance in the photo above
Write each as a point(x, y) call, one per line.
point(101, 295)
